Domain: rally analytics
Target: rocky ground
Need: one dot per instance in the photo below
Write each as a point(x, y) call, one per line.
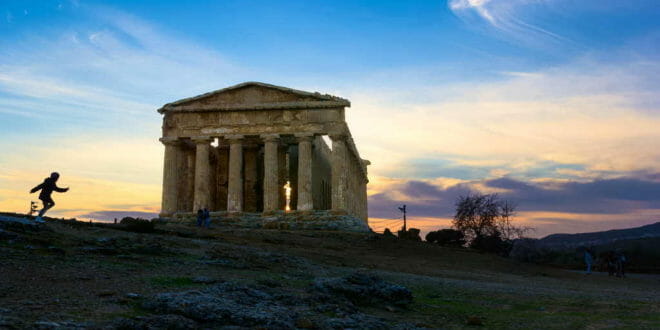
point(67, 274)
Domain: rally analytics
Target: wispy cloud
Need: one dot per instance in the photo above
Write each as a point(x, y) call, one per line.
point(117, 65)
point(590, 118)
point(508, 17)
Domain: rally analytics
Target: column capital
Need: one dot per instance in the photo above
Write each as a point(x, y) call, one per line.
point(169, 141)
point(304, 137)
point(270, 137)
point(338, 136)
point(234, 138)
point(201, 139)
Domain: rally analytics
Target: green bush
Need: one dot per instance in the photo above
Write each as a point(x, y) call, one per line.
point(446, 237)
point(137, 225)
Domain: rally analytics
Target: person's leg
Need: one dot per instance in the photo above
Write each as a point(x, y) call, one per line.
point(208, 222)
point(48, 204)
point(623, 269)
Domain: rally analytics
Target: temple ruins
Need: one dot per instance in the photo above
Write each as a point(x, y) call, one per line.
point(260, 151)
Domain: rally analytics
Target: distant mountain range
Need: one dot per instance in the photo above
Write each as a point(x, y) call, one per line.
point(567, 241)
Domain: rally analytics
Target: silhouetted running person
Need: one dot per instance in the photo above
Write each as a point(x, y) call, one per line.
point(47, 187)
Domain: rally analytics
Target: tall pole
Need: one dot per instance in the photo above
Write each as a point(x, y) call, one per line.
point(403, 209)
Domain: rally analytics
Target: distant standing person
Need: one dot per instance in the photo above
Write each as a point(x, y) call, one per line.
point(588, 259)
point(47, 187)
point(200, 217)
point(620, 263)
point(207, 218)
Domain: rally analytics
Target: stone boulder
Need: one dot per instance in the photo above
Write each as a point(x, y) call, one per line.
point(226, 304)
point(363, 289)
point(167, 321)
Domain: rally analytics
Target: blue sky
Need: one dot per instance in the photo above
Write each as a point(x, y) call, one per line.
point(448, 93)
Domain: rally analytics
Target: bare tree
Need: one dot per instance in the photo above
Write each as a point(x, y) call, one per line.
point(486, 215)
point(504, 223)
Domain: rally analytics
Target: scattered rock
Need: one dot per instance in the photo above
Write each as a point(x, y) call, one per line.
point(224, 263)
point(204, 280)
point(106, 293)
point(8, 235)
point(474, 320)
point(168, 321)
point(105, 240)
point(98, 250)
point(46, 325)
point(364, 289)
point(305, 323)
point(56, 250)
point(8, 322)
point(226, 304)
point(355, 321)
point(269, 283)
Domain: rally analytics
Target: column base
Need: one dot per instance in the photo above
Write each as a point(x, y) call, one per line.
point(339, 212)
point(272, 213)
point(304, 212)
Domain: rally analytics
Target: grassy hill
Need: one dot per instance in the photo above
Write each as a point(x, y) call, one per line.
point(72, 274)
point(641, 246)
point(563, 241)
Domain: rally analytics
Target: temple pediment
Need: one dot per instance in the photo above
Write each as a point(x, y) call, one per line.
point(255, 96)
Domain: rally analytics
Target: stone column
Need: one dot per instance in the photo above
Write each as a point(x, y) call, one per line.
point(202, 197)
point(170, 177)
point(282, 174)
point(271, 187)
point(187, 192)
point(223, 177)
point(305, 202)
point(250, 176)
point(235, 186)
point(339, 181)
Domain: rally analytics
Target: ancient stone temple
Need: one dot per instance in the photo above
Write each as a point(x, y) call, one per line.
point(261, 150)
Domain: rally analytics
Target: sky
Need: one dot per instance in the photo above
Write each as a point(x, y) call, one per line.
point(552, 104)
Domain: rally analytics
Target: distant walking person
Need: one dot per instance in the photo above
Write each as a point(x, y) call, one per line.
point(47, 187)
point(588, 259)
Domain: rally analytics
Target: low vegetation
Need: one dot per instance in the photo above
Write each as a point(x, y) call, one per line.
point(63, 274)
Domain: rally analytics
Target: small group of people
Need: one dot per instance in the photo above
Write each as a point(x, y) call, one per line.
point(204, 218)
point(614, 261)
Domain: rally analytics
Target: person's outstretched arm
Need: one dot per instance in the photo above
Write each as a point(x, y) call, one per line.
point(37, 188)
point(58, 189)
